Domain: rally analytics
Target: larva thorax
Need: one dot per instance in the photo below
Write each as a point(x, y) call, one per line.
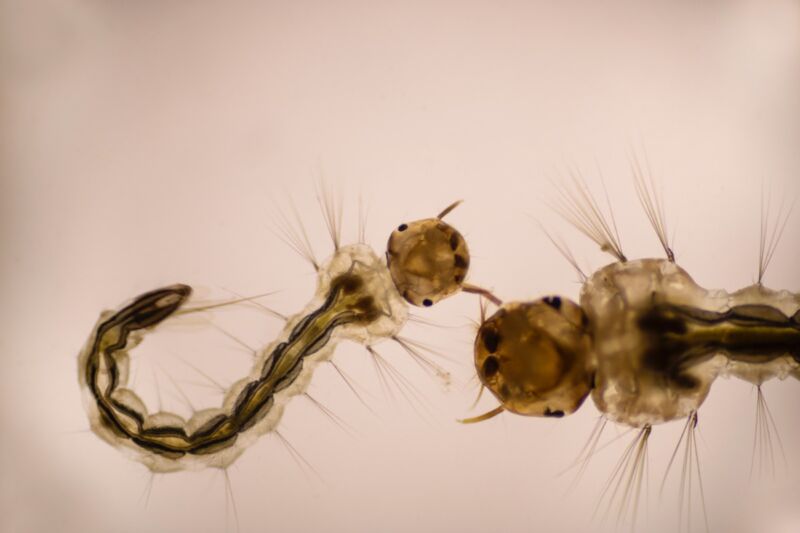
point(659, 340)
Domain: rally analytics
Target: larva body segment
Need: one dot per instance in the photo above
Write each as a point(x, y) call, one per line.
point(355, 300)
point(360, 296)
point(660, 340)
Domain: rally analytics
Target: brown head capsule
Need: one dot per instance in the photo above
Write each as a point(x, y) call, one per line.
point(428, 259)
point(533, 356)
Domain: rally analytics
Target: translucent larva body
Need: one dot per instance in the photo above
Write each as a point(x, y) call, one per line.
point(358, 298)
point(660, 340)
point(646, 340)
point(355, 300)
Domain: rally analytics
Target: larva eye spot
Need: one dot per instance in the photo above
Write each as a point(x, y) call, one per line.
point(567, 310)
point(428, 260)
point(490, 366)
point(534, 359)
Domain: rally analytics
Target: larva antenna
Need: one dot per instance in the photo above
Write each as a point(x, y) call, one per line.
point(449, 208)
point(768, 241)
point(481, 388)
point(485, 416)
point(577, 205)
point(651, 201)
point(474, 289)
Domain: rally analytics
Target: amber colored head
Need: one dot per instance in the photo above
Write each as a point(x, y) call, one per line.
point(533, 356)
point(428, 260)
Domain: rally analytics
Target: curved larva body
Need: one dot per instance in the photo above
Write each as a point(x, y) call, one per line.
point(108, 387)
point(659, 340)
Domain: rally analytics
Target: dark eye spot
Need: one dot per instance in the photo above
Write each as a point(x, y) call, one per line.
point(453, 241)
point(553, 301)
point(490, 366)
point(402, 227)
point(427, 302)
point(491, 339)
point(553, 414)
point(459, 261)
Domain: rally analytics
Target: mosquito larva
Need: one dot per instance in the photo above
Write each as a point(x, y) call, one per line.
point(643, 339)
point(359, 297)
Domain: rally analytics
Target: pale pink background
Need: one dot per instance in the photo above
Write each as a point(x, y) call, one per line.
point(145, 143)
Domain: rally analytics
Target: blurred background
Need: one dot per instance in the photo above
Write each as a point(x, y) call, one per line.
point(147, 143)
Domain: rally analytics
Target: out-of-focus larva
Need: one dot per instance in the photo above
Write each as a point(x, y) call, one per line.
point(643, 339)
point(359, 297)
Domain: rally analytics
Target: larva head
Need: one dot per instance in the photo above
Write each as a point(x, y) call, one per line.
point(428, 260)
point(533, 356)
